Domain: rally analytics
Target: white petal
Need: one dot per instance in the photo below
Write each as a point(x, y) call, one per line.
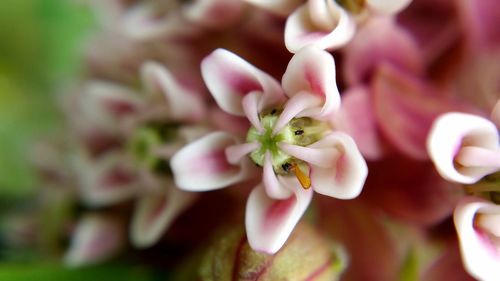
point(449, 133)
point(387, 6)
point(202, 165)
point(480, 254)
point(320, 23)
point(95, 239)
point(229, 78)
point(274, 188)
point(183, 104)
point(312, 70)
point(155, 212)
point(270, 222)
point(345, 177)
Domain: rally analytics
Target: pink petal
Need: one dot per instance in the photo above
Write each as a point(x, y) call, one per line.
point(213, 13)
point(182, 103)
point(480, 253)
point(495, 114)
point(95, 239)
point(312, 70)
point(234, 153)
point(345, 177)
point(155, 212)
point(107, 103)
point(202, 165)
point(380, 39)
point(142, 22)
point(250, 104)
point(480, 21)
point(320, 23)
point(280, 7)
point(452, 131)
point(106, 180)
point(405, 108)
point(229, 78)
point(357, 119)
point(270, 222)
point(387, 6)
point(273, 187)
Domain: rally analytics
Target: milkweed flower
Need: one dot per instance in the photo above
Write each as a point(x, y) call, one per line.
point(331, 24)
point(291, 140)
point(478, 226)
point(465, 147)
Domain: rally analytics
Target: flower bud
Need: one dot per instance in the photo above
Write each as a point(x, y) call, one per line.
point(306, 256)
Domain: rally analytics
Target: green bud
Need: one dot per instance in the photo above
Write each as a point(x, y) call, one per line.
point(306, 256)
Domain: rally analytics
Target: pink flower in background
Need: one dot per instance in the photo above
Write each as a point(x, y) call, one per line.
point(478, 227)
point(464, 147)
point(291, 138)
point(332, 24)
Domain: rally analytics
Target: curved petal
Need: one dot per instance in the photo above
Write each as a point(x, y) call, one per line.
point(270, 222)
point(202, 165)
point(182, 103)
point(480, 252)
point(312, 70)
point(297, 106)
point(453, 131)
point(95, 239)
point(380, 40)
point(213, 13)
point(345, 177)
point(320, 23)
point(229, 78)
point(387, 7)
point(235, 152)
point(107, 180)
point(155, 212)
point(250, 104)
point(273, 187)
point(321, 156)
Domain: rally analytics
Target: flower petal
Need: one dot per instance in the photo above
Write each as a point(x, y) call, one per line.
point(312, 70)
point(452, 131)
point(274, 188)
point(321, 23)
point(107, 180)
point(250, 104)
point(297, 106)
point(270, 222)
point(480, 253)
point(380, 40)
point(322, 156)
point(213, 13)
point(229, 78)
point(182, 103)
point(345, 177)
point(234, 153)
point(202, 165)
point(495, 114)
point(155, 212)
point(357, 119)
point(95, 239)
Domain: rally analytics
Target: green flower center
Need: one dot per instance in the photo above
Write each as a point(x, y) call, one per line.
point(299, 131)
point(487, 188)
point(353, 6)
point(146, 140)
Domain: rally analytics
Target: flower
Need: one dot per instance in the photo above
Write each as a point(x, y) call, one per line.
point(478, 225)
point(148, 128)
point(464, 147)
point(291, 138)
point(331, 24)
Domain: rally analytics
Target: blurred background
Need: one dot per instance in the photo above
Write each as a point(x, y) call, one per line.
point(40, 48)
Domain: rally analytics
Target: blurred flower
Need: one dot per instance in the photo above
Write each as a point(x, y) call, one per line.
point(307, 255)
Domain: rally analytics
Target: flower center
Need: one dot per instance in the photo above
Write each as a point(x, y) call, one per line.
point(148, 138)
point(301, 131)
point(487, 188)
point(353, 6)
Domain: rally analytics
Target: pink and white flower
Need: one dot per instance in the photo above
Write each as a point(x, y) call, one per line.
point(291, 137)
point(331, 24)
point(464, 147)
point(478, 225)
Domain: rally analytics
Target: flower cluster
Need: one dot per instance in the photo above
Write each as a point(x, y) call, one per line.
point(379, 106)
